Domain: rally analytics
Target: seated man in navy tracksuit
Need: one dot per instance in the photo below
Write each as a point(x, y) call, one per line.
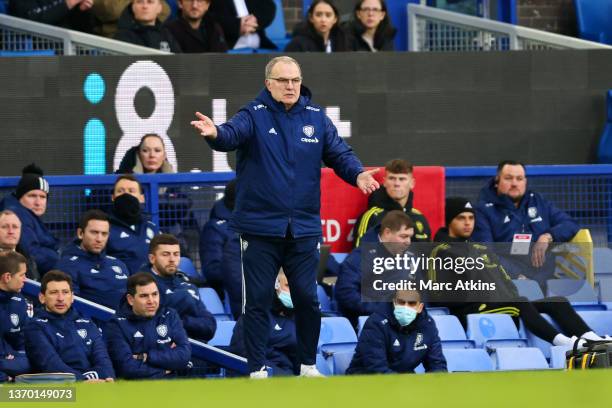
point(144, 339)
point(13, 316)
point(175, 289)
point(131, 232)
point(58, 339)
point(29, 203)
point(281, 350)
point(396, 228)
point(95, 275)
point(397, 338)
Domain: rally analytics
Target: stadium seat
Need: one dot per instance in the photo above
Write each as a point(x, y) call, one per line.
point(605, 292)
point(214, 305)
point(528, 288)
point(223, 334)
point(433, 311)
point(600, 321)
point(493, 331)
point(340, 256)
point(535, 341)
point(467, 360)
point(341, 361)
point(337, 334)
point(277, 31)
point(594, 20)
point(602, 257)
point(324, 366)
point(579, 292)
point(360, 323)
point(451, 332)
point(188, 268)
point(520, 358)
point(325, 303)
point(557, 356)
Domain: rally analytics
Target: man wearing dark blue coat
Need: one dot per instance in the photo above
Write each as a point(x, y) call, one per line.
point(508, 212)
point(144, 339)
point(131, 231)
point(29, 202)
point(281, 139)
point(95, 276)
point(175, 289)
point(397, 338)
point(58, 339)
point(13, 316)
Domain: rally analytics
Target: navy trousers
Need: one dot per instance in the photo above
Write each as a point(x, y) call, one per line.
point(262, 257)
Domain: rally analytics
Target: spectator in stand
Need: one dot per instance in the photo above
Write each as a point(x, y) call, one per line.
point(321, 32)
point(10, 234)
point(371, 29)
point(13, 316)
point(95, 275)
point(59, 340)
point(195, 29)
point(72, 14)
point(29, 202)
point(244, 22)
point(149, 156)
point(107, 13)
point(131, 231)
point(139, 24)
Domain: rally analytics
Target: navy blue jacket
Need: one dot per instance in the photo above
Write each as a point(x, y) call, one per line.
point(385, 347)
point(178, 293)
point(130, 243)
point(67, 343)
point(36, 239)
point(278, 167)
point(212, 240)
point(497, 219)
point(281, 350)
point(96, 277)
point(128, 334)
point(13, 318)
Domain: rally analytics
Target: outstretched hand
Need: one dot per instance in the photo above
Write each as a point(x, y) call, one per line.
point(205, 126)
point(366, 182)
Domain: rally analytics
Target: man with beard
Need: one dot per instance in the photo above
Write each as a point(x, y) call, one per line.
point(195, 30)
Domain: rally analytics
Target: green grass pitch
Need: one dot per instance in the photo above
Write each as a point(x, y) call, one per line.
point(498, 389)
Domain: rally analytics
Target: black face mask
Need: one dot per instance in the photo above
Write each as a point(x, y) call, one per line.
point(127, 208)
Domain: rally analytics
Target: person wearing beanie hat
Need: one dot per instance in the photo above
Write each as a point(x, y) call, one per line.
point(454, 243)
point(29, 203)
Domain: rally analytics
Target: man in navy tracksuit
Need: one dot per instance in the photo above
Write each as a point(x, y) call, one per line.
point(397, 229)
point(507, 212)
point(144, 339)
point(58, 339)
point(175, 289)
point(214, 236)
point(281, 138)
point(13, 316)
point(281, 350)
point(397, 338)
point(130, 232)
point(29, 202)
point(95, 276)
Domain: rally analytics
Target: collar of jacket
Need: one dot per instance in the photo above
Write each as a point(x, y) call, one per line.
point(381, 199)
point(75, 249)
point(70, 315)
point(265, 97)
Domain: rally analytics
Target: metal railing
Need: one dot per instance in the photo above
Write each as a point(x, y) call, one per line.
point(20, 35)
point(431, 29)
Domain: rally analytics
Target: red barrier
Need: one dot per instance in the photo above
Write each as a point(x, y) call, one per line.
point(342, 204)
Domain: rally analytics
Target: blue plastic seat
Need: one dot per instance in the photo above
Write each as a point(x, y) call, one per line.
point(600, 321)
point(528, 288)
point(433, 311)
point(188, 268)
point(337, 334)
point(579, 292)
point(341, 361)
point(451, 332)
point(223, 334)
point(214, 305)
point(325, 303)
point(594, 20)
point(535, 341)
point(557, 356)
point(467, 360)
point(602, 256)
point(277, 31)
point(493, 331)
point(360, 323)
point(520, 358)
point(605, 292)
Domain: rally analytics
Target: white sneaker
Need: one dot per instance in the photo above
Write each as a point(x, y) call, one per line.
point(309, 371)
point(581, 341)
point(258, 375)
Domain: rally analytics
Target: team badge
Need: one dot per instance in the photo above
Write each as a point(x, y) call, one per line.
point(15, 319)
point(162, 330)
point(82, 333)
point(532, 212)
point(308, 130)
